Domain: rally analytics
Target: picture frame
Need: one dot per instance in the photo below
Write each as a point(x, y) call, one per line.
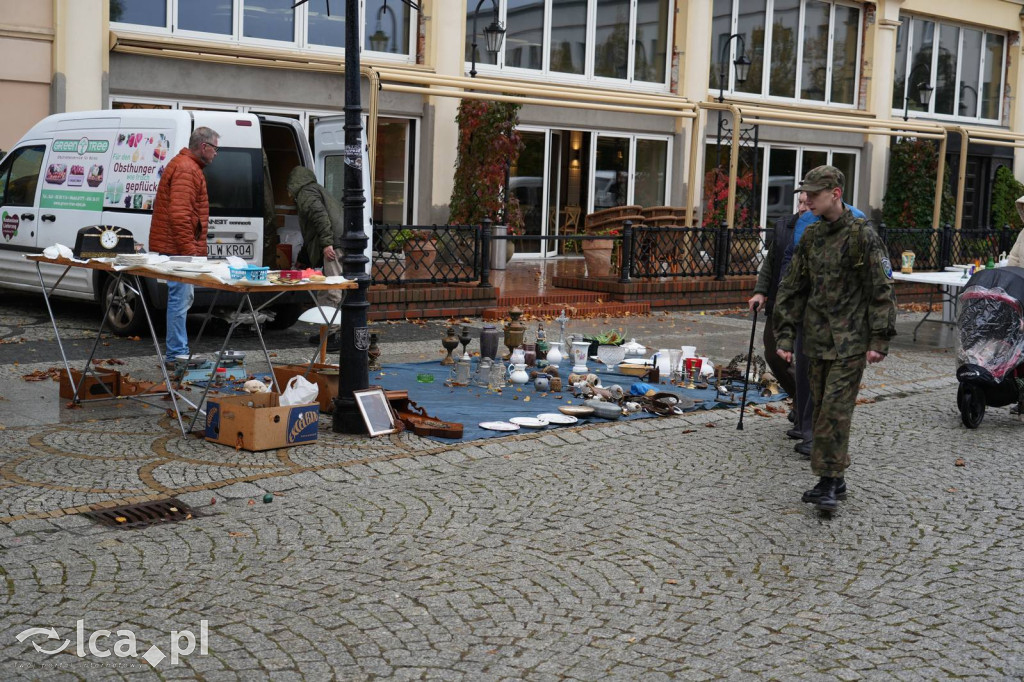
point(376, 411)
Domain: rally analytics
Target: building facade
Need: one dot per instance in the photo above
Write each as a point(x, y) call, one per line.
point(624, 101)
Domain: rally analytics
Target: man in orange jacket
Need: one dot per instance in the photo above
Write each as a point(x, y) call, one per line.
point(181, 216)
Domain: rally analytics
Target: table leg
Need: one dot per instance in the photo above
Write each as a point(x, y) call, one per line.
point(220, 355)
point(160, 356)
point(53, 321)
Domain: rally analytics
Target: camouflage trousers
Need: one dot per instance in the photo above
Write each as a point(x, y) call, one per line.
point(834, 386)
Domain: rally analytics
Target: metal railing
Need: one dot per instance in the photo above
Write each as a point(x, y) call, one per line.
point(938, 248)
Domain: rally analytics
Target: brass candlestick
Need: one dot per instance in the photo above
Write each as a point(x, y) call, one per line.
point(450, 343)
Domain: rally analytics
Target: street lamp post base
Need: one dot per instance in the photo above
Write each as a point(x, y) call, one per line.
point(347, 418)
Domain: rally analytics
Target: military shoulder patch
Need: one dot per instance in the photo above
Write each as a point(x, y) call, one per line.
point(887, 268)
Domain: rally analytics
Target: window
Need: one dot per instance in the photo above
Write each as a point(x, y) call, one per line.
point(387, 27)
point(622, 40)
point(806, 50)
point(19, 175)
point(230, 182)
point(962, 65)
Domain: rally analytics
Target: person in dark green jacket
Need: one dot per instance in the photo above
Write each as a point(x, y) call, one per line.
point(839, 289)
point(320, 221)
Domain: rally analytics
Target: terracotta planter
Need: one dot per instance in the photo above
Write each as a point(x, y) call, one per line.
point(598, 255)
point(420, 255)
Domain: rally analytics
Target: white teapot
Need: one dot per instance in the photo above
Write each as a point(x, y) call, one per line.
point(518, 356)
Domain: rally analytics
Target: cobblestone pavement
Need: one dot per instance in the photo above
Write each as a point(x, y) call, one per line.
point(653, 549)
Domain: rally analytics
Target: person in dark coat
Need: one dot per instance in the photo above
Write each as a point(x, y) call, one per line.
point(320, 221)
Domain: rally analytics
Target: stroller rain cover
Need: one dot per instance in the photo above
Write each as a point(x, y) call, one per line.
point(991, 321)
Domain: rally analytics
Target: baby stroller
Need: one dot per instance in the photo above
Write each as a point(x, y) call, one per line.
point(990, 349)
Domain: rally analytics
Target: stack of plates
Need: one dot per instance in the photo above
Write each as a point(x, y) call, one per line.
point(130, 259)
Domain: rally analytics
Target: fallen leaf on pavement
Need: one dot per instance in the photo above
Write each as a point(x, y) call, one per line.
point(960, 462)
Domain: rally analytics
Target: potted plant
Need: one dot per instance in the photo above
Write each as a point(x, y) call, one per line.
point(598, 252)
point(607, 338)
point(419, 250)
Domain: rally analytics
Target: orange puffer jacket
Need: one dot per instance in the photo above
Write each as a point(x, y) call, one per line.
point(181, 210)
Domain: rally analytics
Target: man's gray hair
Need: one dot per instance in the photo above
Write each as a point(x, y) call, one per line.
point(200, 135)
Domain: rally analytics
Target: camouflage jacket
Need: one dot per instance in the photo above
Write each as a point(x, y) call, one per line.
point(840, 291)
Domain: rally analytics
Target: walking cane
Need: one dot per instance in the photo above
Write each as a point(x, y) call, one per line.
point(746, 376)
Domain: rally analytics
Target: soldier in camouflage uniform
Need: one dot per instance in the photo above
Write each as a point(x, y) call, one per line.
point(839, 288)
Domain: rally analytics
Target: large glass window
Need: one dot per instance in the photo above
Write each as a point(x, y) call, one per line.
point(524, 36)
point(324, 29)
point(598, 39)
point(798, 49)
point(568, 45)
point(650, 173)
point(142, 12)
point(387, 27)
point(209, 16)
point(953, 60)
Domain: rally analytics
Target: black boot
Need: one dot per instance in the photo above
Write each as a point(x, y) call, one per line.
point(836, 487)
point(314, 339)
point(334, 343)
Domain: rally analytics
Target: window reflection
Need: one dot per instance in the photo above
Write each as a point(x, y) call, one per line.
point(323, 29)
point(209, 16)
point(524, 37)
point(569, 36)
point(815, 66)
point(970, 68)
point(651, 40)
point(144, 12)
point(389, 26)
point(844, 55)
point(750, 24)
point(651, 168)
point(611, 40)
point(269, 19)
point(611, 172)
point(945, 69)
point(785, 44)
point(993, 76)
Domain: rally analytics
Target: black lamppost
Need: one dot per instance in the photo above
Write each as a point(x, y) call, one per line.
point(493, 35)
point(924, 89)
point(742, 66)
point(353, 363)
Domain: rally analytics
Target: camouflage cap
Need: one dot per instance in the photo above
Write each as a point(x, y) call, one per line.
point(821, 178)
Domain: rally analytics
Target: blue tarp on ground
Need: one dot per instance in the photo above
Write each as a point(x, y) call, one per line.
point(470, 405)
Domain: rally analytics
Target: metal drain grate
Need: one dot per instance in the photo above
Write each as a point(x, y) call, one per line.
point(143, 514)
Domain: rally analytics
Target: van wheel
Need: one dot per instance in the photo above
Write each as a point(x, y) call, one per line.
point(285, 316)
point(125, 316)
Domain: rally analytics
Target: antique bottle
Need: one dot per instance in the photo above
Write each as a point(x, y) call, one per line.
point(489, 338)
point(514, 331)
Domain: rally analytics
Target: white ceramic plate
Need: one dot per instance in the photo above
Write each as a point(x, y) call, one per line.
point(498, 426)
point(202, 269)
point(556, 418)
point(529, 422)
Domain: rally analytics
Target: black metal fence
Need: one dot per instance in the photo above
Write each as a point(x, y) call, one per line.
point(938, 248)
point(462, 253)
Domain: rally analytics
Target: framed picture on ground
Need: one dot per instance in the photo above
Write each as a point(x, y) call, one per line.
point(376, 411)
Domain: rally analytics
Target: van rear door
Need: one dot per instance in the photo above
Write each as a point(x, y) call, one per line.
point(20, 175)
point(329, 150)
point(234, 182)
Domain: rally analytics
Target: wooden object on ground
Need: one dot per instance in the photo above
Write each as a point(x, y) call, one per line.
point(416, 419)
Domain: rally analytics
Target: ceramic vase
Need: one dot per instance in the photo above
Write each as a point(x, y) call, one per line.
point(489, 339)
point(579, 356)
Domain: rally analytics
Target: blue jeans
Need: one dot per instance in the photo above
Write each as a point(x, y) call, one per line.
point(179, 299)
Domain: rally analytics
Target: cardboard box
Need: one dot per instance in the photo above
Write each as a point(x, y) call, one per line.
point(324, 376)
point(93, 386)
point(259, 422)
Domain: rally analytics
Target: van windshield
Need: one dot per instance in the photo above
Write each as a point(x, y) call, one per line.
point(234, 182)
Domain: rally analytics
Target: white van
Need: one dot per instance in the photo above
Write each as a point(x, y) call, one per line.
point(103, 168)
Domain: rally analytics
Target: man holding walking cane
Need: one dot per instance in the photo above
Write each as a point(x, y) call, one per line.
point(839, 289)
